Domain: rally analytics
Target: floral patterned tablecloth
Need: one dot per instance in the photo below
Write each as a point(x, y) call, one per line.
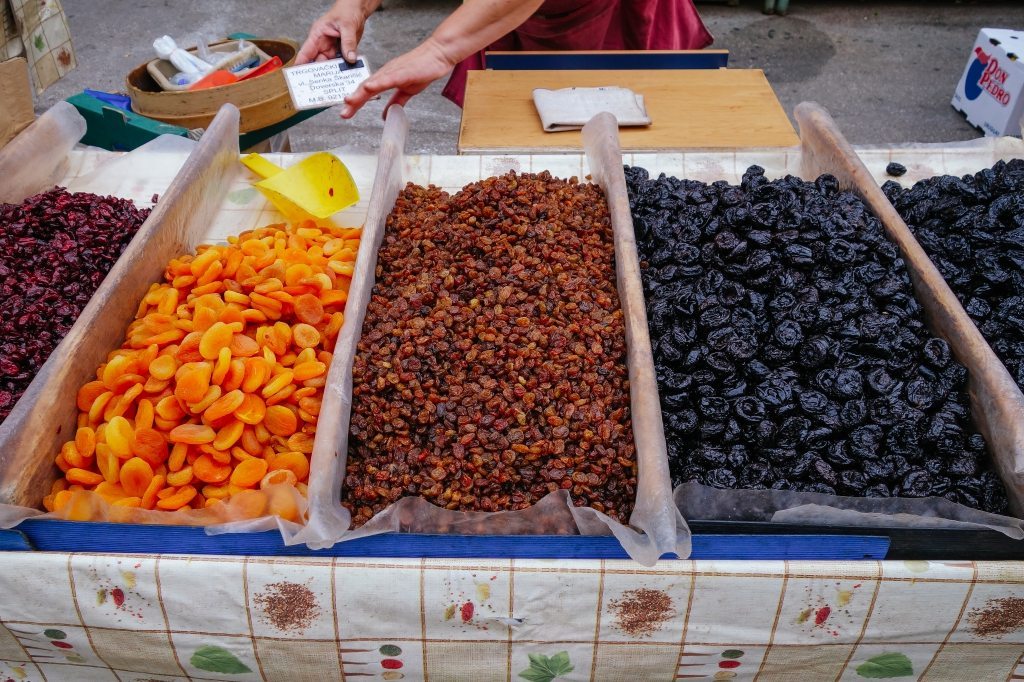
point(109, 617)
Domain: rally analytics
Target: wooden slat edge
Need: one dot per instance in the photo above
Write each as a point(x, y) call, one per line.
point(655, 511)
point(997, 400)
point(45, 416)
point(328, 520)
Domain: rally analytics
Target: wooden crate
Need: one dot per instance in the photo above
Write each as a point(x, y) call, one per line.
point(45, 416)
point(654, 511)
point(996, 401)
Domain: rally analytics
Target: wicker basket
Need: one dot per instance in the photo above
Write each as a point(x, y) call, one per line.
point(262, 101)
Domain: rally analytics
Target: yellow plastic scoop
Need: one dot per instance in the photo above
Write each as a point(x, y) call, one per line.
point(316, 187)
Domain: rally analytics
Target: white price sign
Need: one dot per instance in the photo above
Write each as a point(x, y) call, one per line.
point(323, 84)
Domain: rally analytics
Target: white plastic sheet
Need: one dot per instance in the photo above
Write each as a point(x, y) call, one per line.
point(38, 157)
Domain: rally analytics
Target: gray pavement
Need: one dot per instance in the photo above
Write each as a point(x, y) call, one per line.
point(886, 70)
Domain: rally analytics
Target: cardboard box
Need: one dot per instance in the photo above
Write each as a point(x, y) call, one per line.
point(16, 94)
point(991, 91)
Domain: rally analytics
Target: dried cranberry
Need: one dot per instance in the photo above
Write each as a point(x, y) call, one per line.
point(55, 250)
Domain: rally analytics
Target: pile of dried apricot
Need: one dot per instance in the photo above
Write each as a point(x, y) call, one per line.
point(217, 387)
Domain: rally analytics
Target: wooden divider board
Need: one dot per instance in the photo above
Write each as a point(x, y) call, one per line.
point(655, 510)
point(997, 401)
point(327, 518)
point(693, 109)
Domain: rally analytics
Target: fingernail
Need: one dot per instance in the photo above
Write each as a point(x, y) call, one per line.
point(351, 56)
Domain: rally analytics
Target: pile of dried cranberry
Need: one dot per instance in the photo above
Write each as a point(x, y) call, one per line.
point(55, 249)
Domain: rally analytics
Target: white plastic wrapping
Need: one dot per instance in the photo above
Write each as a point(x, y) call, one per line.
point(697, 501)
point(136, 174)
point(38, 157)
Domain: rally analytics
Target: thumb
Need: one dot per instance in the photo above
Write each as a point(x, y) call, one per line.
point(349, 42)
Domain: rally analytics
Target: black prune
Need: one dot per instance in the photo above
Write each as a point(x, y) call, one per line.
point(711, 457)
point(714, 316)
point(750, 408)
point(721, 478)
point(764, 432)
point(852, 413)
point(774, 392)
point(881, 490)
point(720, 362)
point(918, 483)
point(888, 410)
point(921, 393)
point(802, 465)
point(757, 475)
point(813, 402)
point(852, 482)
point(881, 382)
point(793, 431)
point(814, 351)
point(816, 487)
point(824, 472)
point(865, 441)
point(790, 351)
point(895, 169)
point(713, 407)
point(849, 383)
point(837, 455)
point(737, 456)
point(788, 334)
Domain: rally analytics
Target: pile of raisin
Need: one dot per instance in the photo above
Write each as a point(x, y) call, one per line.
point(55, 250)
point(491, 369)
point(790, 351)
point(973, 230)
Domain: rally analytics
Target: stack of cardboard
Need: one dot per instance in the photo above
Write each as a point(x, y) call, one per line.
point(16, 94)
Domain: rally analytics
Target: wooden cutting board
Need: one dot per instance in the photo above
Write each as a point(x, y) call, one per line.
point(692, 109)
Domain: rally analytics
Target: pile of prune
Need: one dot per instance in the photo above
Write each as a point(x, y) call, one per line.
point(973, 230)
point(790, 351)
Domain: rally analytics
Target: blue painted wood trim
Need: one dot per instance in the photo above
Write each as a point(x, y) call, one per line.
point(570, 61)
point(70, 536)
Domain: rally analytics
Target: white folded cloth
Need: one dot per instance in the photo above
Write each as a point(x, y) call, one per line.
point(571, 108)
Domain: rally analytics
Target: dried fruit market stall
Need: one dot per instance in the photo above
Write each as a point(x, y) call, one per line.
point(488, 339)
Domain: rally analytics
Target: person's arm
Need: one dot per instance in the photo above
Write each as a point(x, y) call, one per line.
point(338, 31)
point(472, 27)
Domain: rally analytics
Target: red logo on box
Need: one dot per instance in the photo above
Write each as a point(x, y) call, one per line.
point(985, 75)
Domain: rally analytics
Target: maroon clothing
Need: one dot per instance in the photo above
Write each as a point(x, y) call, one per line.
point(596, 25)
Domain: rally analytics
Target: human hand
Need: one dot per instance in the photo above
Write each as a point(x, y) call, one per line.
point(338, 31)
point(407, 75)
